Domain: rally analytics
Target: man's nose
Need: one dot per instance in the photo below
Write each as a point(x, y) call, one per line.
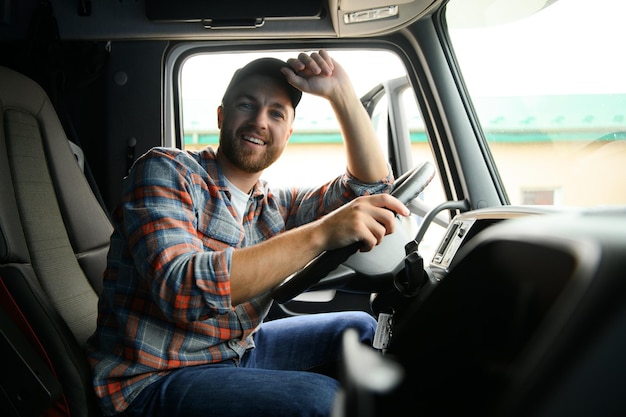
point(260, 119)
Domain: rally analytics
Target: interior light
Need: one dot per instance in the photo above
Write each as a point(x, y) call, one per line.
point(370, 14)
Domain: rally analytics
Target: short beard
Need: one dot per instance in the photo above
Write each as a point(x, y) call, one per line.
point(244, 160)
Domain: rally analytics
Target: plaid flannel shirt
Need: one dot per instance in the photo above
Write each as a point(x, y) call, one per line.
point(166, 298)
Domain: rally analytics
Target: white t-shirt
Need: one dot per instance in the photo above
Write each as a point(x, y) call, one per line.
point(238, 198)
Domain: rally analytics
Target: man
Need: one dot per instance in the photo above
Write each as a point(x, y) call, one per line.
point(200, 241)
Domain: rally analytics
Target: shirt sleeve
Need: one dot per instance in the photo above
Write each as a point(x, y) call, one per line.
point(305, 205)
point(160, 223)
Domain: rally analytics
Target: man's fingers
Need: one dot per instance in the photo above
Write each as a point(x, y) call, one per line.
point(311, 66)
point(377, 231)
point(391, 203)
point(314, 64)
point(329, 61)
point(375, 219)
point(323, 63)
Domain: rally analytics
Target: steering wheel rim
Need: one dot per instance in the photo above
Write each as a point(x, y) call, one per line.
point(406, 188)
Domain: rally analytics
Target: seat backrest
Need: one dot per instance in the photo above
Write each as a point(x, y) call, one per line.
point(54, 237)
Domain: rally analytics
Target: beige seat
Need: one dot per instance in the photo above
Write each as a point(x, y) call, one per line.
point(54, 237)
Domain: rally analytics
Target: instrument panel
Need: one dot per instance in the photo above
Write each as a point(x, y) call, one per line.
point(467, 225)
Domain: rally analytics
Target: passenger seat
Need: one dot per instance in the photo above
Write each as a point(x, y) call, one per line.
point(54, 238)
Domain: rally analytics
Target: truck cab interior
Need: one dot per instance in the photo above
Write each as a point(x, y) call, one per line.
point(504, 123)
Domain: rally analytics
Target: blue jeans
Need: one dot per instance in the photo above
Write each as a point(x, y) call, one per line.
point(273, 379)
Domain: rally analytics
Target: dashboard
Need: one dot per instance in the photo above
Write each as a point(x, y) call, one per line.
point(527, 306)
point(467, 225)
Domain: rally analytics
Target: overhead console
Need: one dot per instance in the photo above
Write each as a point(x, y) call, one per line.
point(349, 17)
point(372, 17)
point(240, 19)
point(232, 13)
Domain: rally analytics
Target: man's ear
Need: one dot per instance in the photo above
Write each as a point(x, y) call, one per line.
point(220, 116)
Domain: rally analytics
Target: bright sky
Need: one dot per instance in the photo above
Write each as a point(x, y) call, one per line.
point(584, 54)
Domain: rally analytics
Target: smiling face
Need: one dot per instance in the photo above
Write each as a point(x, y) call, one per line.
point(255, 124)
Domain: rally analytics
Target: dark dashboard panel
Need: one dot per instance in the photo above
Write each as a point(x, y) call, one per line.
point(196, 10)
point(521, 307)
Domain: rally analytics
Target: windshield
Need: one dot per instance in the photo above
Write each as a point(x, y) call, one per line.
point(550, 94)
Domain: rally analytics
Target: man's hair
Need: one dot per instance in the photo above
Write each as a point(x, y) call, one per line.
point(267, 67)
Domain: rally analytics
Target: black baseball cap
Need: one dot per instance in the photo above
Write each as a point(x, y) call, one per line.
point(268, 67)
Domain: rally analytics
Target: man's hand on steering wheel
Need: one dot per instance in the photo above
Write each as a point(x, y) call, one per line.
point(365, 219)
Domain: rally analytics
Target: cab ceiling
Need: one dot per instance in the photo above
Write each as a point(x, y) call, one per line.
point(232, 19)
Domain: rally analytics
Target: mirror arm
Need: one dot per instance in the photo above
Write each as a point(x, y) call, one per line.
point(413, 245)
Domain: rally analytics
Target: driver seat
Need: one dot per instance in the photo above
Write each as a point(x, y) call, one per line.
point(54, 238)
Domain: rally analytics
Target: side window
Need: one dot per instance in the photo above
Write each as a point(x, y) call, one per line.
point(315, 153)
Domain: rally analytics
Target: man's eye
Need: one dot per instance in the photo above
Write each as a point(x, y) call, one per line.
point(246, 106)
point(278, 115)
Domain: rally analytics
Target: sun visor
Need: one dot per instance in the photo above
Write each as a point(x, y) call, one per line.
point(232, 10)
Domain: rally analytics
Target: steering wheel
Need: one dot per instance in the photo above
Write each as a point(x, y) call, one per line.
point(406, 188)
